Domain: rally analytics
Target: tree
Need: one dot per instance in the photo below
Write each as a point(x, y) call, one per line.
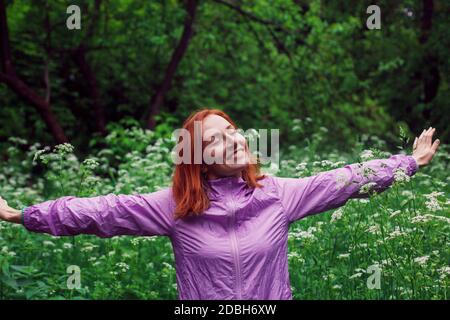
point(9, 76)
point(157, 99)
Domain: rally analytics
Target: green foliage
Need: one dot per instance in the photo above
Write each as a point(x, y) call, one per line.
point(339, 93)
point(403, 231)
point(313, 59)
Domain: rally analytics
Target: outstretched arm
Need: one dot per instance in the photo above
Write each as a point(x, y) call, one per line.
point(105, 216)
point(327, 190)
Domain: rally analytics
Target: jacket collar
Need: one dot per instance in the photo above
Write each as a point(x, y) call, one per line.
point(225, 187)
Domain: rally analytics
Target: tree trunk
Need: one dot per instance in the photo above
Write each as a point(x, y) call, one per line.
point(157, 99)
point(43, 108)
point(12, 80)
point(430, 72)
point(94, 92)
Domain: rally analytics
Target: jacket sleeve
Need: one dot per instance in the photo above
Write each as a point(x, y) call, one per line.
point(327, 190)
point(105, 216)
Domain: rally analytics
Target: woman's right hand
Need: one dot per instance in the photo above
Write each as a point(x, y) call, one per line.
point(9, 214)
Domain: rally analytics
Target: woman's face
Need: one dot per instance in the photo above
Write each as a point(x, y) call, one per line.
point(225, 146)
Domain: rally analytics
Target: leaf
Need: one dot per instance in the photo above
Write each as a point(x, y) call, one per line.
point(5, 269)
point(23, 269)
point(11, 282)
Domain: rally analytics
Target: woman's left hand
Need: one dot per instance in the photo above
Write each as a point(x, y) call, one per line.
point(424, 148)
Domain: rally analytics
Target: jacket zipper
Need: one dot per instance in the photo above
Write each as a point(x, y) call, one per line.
point(235, 248)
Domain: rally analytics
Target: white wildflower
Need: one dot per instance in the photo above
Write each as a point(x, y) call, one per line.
point(428, 217)
point(373, 229)
point(64, 148)
point(386, 262)
point(396, 233)
point(368, 187)
point(123, 266)
point(432, 202)
point(367, 155)
point(356, 275)
point(421, 218)
point(168, 265)
point(301, 166)
point(421, 260)
point(337, 214)
point(48, 243)
point(91, 164)
point(394, 213)
point(407, 194)
point(400, 175)
point(434, 194)
point(326, 163)
point(444, 272)
point(67, 245)
point(304, 235)
point(37, 155)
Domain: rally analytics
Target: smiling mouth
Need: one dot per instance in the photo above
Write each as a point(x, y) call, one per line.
point(239, 149)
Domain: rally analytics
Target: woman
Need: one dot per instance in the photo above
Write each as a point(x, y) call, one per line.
point(228, 224)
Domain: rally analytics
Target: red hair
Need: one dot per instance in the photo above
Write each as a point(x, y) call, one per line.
point(188, 183)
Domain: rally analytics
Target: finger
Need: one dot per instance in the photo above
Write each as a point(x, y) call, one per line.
point(424, 136)
point(421, 135)
point(429, 136)
point(435, 145)
point(415, 143)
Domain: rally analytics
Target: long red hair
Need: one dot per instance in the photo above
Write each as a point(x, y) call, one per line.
point(189, 183)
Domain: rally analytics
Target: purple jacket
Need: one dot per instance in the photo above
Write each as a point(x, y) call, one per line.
point(237, 249)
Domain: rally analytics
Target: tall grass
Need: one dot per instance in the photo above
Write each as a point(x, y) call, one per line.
point(401, 234)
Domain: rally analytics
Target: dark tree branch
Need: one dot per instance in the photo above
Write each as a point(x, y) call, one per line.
point(426, 20)
point(157, 99)
point(79, 55)
point(81, 61)
point(12, 80)
point(279, 44)
point(270, 25)
point(430, 73)
point(47, 46)
point(251, 16)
